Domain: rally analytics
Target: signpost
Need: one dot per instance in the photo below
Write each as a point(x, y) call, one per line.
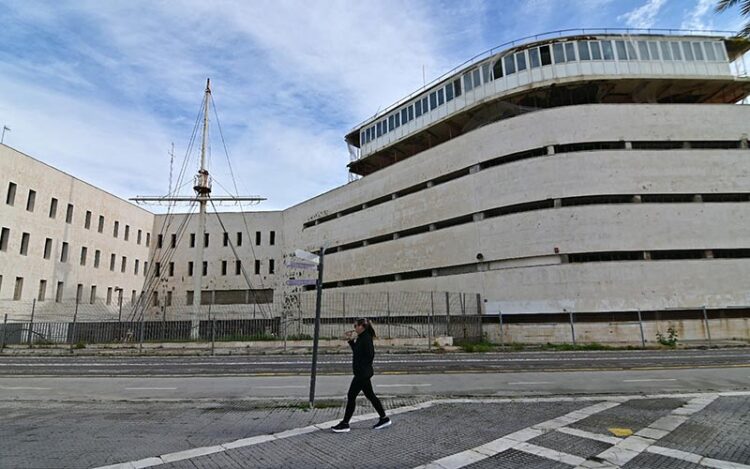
point(313, 261)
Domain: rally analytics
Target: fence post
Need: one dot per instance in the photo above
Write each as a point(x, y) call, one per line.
point(480, 316)
point(5, 325)
point(31, 323)
point(640, 323)
point(462, 303)
point(502, 340)
point(447, 314)
point(708, 330)
point(430, 320)
point(572, 326)
point(343, 310)
point(143, 327)
point(73, 331)
point(119, 315)
point(388, 312)
point(213, 329)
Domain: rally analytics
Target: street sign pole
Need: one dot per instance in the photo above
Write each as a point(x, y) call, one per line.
point(316, 336)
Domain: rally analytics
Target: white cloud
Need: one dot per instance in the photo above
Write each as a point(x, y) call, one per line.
point(644, 16)
point(698, 18)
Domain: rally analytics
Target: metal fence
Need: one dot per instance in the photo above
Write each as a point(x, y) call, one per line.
point(397, 315)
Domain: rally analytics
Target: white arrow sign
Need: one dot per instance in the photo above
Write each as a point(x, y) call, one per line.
point(308, 256)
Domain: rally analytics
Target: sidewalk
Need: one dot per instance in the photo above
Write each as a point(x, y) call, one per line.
point(692, 430)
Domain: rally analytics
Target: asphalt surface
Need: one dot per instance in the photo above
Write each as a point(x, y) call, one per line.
point(413, 363)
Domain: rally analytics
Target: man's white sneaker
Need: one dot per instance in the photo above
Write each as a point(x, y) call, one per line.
point(382, 423)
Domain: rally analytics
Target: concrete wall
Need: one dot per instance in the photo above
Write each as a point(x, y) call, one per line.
point(521, 270)
point(30, 174)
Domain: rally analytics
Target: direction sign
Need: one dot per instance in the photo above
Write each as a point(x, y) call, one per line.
point(301, 281)
point(301, 265)
point(308, 256)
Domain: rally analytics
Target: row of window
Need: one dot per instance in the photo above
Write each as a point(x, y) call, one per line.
point(5, 235)
point(10, 199)
point(226, 240)
point(60, 288)
point(237, 264)
point(535, 57)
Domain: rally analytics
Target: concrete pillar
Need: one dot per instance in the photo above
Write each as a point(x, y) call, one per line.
point(557, 203)
point(550, 150)
point(628, 145)
point(478, 216)
point(708, 254)
point(697, 198)
point(637, 199)
point(394, 196)
point(432, 227)
point(646, 256)
point(430, 184)
point(475, 169)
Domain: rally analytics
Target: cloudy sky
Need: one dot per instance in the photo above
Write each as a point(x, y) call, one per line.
point(102, 88)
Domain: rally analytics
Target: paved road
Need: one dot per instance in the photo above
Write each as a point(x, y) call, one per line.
point(384, 363)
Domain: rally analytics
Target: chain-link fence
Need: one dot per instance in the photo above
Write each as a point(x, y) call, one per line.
point(399, 315)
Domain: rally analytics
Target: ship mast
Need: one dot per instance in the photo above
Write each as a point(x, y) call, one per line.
point(202, 188)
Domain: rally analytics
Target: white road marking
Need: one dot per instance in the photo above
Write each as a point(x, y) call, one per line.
point(279, 387)
point(24, 388)
point(647, 380)
point(516, 439)
point(630, 447)
point(150, 389)
point(550, 454)
point(479, 453)
point(612, 440)
point(530, 382)
point(401, 385)
point(696, 458)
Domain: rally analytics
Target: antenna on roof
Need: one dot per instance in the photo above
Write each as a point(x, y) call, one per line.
point(5, 127)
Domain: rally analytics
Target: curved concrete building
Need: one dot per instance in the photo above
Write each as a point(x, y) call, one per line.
point(593, 172)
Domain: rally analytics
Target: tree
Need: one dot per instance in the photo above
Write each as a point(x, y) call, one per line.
point(723, 5)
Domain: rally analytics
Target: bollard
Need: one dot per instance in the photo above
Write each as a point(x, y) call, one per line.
point(708, 330)
point(640, 323)
point(31, 323)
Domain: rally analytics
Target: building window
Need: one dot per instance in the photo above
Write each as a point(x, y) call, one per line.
point(64, 252)
point(171, 269)
point(257, 267)
point(97, 258)
point(272, 238)
point(59, 292)
point(53, 207)
point(226, 239)
point(205, 240)
point(237, 267)
point(135, 270)
point(157, 266)
point(173, 241)
point(123, 264)
point(19, 288)
point(4, 236)
point(127, 232)
point(138, 237)
point(84, 252)
point(87, 220)
point(148, 239)
point(168, 301)
point(24, 244)
point(112, 260)
point(145, 268)
point(205, 268)
point(47, 248)
point(10, 197)
point(69, 214)
point(42, 290)
point(190, 269)
point(189, 297)
point(115, 229)
point(79, 292)
point(100, 228)
point(239, 238)
point(155, 296)
point(31, 200)
point(109, 295)
point(92, 296)
point(159, 241)
point(257, 238)
point(223, 267)
point(192, 240)
point(271, 266)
